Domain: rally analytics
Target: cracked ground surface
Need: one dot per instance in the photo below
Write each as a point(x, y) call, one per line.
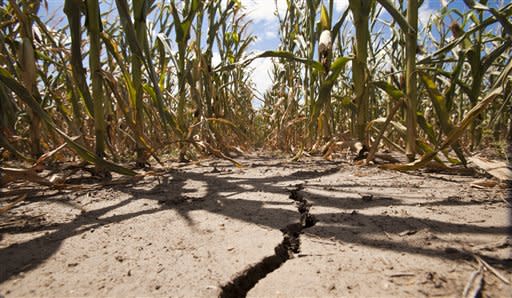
point(189, 231)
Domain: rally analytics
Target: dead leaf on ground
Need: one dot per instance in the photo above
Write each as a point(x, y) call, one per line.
point(15, 174)
point(12, 204)
point(498, 169)
point(484, 183)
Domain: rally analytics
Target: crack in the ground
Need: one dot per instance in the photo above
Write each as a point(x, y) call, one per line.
point(247, 279)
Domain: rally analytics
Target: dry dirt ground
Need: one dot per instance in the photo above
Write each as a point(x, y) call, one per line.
point(213, 229)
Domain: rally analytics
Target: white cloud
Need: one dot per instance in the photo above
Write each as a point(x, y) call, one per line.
point(340, 5)
point(270, 34)
point(261, 75)
point(424, 13)
point(263, 10)
point(262, 14)
point(216, 59)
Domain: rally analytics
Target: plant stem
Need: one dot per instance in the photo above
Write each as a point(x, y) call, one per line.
point(94, 28)
point(360, 11)
point(411, 78)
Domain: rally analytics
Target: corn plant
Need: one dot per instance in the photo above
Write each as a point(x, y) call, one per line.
point(360, 12)
point(140, 81)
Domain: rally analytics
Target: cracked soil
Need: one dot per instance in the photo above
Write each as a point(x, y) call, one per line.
point(212, 229)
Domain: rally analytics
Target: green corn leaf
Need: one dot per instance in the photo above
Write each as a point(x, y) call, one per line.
point(337, 66)
point(165, 114)
point(324, 94)
point(113, 50)
point(137, 50)
point(438, 101)
point(288, 56)
point(393, 92)
point(454, 135)
point(72, 11)
point(182, 28)
point(507, 10)
point(178, 28)
point(502, 18)
point(325, 20)
point(195, 7)
point(454, 77)
point(164, 42)
point(129, 28)
point(489, 59)
point(441, 108)
point(87, 155)
point(426, 127)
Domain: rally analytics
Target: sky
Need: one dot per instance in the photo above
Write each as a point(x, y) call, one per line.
point(264, 25)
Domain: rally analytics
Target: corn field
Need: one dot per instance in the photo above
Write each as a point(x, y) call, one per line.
point(126, 84)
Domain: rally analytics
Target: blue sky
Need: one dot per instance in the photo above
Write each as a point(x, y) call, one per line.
point(265, 27)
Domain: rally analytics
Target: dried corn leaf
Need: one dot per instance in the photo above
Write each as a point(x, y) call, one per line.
point(498, 169)
point(12, 204)
point(16, 174)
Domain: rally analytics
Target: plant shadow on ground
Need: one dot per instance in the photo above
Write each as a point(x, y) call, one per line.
point(223, 191)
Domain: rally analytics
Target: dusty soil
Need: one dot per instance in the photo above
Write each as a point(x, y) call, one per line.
point(212, 229)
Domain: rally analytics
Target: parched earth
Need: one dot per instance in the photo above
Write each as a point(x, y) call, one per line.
point(272, 228)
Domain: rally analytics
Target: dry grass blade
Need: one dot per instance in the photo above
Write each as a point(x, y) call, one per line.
point(49, 154)
point(298, 155)
point(4, 142)
point(474, 286)
point(498, 169)
point(454, 135)
point(492, 269)
point(22, 92)
point(150, 95)
point(375, 145)
point(219, 154)
point(12, 204)
point(30, 175)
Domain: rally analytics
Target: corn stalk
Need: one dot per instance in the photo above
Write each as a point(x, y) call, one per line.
point(411, 77)
point(360, 12)
point(140, 9)
point(73, 10)
point(27, 62)
point(94, 28)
